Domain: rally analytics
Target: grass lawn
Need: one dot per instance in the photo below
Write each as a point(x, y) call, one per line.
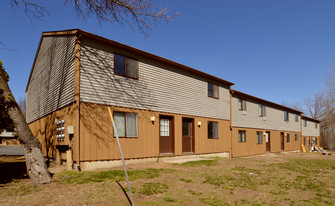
point(285, 179)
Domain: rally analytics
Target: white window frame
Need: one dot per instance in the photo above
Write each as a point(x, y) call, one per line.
point(242, 136)
point(125, 124)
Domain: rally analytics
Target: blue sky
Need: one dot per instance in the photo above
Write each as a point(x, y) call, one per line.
point(278, 50)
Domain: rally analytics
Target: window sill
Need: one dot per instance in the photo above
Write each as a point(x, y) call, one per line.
point(214, 97)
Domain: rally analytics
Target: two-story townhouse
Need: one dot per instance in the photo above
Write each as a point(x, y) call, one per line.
point(160, 107)
point(310, 133)
point(260, 126)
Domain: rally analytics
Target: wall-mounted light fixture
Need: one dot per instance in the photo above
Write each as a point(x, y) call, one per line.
point(199, 124)
point(285, 134)
point(152, 119)
point(264, 133)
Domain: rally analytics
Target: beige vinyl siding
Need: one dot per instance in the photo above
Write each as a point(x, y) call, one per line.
point(159, 87)
point(51, 84)
point(274, 119)
point(310, 130)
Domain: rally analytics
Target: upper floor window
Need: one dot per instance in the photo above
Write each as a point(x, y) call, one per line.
point(261, 110)
point(125, 66)
point(296, 117)
point(305, 123)
point(242, 105)
point(126, 124)
point(213, 90)
point(316, 125)
point(286, 116)
point(242, 137)
point(213, 130)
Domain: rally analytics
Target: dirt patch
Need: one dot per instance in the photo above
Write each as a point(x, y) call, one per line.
point(275, 179)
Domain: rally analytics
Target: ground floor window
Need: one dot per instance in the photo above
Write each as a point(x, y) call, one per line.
point(259, 137)
point(213, 130)
point(305, 141)
point(296, 137)
point(316, 141)
point(126, 124)
point(288, 138)
point(242, 136)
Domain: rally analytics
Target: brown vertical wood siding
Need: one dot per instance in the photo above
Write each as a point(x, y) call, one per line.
point(45, 129)
point(250, 147)
point(97, 142)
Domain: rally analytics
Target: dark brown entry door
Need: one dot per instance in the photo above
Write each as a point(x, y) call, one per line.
point(282, 140)
point(188, 138)
point(268, 140)
point(166, 142)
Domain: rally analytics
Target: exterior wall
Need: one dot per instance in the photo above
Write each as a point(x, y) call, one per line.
point(274, 119)
point(159, 87)
point(51, 84)
point(250, 147)
point(97, 142)
point(310, 129)
point(45, 130)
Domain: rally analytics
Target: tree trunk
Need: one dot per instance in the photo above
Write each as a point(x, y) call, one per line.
point(36, 167)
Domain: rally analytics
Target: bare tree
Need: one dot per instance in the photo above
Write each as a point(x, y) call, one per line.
point(316, 105)
point(140, 14)
point(328, 118)
point(296, 106)
point(22, 104)
point(36, 166)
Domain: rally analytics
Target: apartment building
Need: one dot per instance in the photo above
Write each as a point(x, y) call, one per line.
point(160, 107)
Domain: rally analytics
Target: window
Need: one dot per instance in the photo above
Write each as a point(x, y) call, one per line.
point(213, 130)
point(305, 123)
point(242, 105)
point(126, 124)
point(305, 141)
point(316, 125)
point(125, 66)
point(296, 137)
point(296, 117)
point(316, 141)
point(213, 90)
point(286, 114)
point(261, 110)
point(242, 136)
point(259, 137)
point(288, 137)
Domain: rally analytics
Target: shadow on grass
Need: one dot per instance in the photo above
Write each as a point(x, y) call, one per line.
point(10, 171)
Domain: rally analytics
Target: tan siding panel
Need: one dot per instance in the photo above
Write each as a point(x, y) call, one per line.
point(274, 118)
point(310, 130)
point(51, 85)
point(159, 87)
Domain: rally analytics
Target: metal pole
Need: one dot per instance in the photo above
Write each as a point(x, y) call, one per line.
point(124, 164)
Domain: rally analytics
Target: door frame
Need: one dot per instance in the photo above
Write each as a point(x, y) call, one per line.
point(193, 136)
point(282, 141)
point(171, 132)
point(269, 138)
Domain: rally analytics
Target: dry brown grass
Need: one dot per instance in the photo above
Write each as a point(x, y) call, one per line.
point(286, 179)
